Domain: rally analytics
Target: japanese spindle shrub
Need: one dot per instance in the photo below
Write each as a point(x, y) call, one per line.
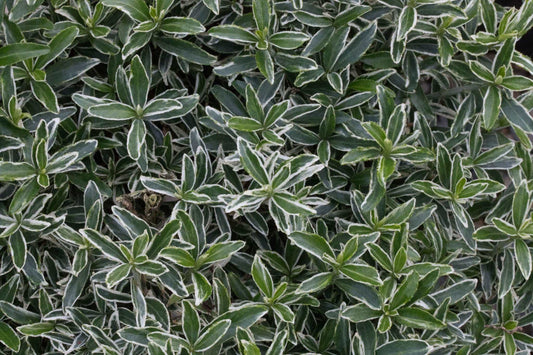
point(265, 177)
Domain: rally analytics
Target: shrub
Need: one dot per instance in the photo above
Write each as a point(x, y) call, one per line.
point(216, 176)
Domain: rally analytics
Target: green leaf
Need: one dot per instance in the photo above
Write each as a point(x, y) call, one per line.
point(360, 313)
point(75, 286)
point(399, 260)
point(105, 244)
point(139, 244)
point(58, 45)
point(180, 256)
point(517, 83)
point(314, 20)
point(114, 111)
point(509, 344)
point(16, 52)
point(249, 348)
point(161, 186)
point(324, 151)
point(17, 314)
point(400, 214)
point(524, 338)
point(380, 256)
point(261, 12)
point(139, 82)
point(312, 243)
point(335, 80)
point(406, 291)
point(253, 106)
point(265, 64)
point(418, 318)
point(327, 126)
point(244, 317)
point(350, 14)
point(360, 154)
point(404, 347)
point(162, 107)
point(277, 347)
point(46, 96)
point(137, 335)
point(18, 248)
point(355, 49)
point(315, 283)
point(262, 277)
point(191, 322)
point(36, 329)
point(150, 268)
point(376, 131)
point(8, 337)
point(245, 124)
point(275, 113)
point(213, 5)
point(101, 338)
point(189, 231)
point(406, 22)
point(290, 205)
point(221, 251)
point(212, 335)
point(491, 106)
point(517, 114)
point(295, 63)
point(493, 155)
point(446, 50)
point(41, 154)
point(396, 124)
point(136, 41)
point(68, 70)
point(181, 25)
point(185, 50)
point(233, 33)
point(504, 55)
point(523, 257)
point(239, 64)
point(384, 324)
point(444, 165)
point(456, 292)
point(350, 249)
point(288, 39)
point(362, 273)
point(385, 168)
point(252, 163)
point(481, 71)
point(490, 234)
point(488, 15)
point(162, 239)
point(284, 312)
point(24, 195)
point(520, 205)
point(136, 9)
point(117, 274)
point(135, 225)
point(202, 288)
point(136, 139)
point(8, 143)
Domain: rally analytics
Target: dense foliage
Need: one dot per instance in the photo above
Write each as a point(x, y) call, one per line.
point(265, 177)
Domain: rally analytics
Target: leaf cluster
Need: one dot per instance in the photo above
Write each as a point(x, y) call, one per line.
point(265, 177)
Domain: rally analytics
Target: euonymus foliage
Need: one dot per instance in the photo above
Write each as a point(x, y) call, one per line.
point(265, 177)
